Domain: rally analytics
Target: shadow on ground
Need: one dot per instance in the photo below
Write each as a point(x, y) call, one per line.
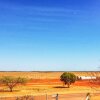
point(60, 87)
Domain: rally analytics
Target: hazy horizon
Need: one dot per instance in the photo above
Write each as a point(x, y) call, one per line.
point(50, 35)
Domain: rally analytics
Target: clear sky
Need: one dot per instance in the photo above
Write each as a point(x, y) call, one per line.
point(50, 35)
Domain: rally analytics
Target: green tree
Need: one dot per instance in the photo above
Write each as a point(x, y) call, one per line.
point(68, 78)
point(11, 82)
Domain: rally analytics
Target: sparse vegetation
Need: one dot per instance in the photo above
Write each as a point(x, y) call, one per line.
point(11, 82)
point(27, 97)
point(40, 83)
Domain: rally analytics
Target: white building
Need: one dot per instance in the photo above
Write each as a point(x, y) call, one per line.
point(87, 77)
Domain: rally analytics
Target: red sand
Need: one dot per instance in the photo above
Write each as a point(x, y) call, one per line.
point(58, 82)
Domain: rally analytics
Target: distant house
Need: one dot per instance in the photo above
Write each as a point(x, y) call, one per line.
point(87, 77)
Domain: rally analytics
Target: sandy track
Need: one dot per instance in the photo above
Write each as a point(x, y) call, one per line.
point(74, 96)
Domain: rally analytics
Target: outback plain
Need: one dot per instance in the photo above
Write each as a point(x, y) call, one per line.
point(48, 83)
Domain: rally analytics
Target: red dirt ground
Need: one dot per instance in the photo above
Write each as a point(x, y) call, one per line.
point(58, 82)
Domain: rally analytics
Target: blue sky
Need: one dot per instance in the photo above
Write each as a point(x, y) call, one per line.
point(50, 35)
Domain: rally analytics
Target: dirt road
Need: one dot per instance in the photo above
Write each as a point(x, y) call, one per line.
point(74, 96)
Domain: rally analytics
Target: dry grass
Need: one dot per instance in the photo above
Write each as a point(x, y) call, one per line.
point(45, 75)
point(46, 86)
point(95, 97)
point(46, 89)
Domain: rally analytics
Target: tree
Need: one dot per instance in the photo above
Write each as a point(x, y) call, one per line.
point(68, 78)
point(11, 82)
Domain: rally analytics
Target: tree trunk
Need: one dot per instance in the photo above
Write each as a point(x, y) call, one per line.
point(68, 85)
point(11, 89)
